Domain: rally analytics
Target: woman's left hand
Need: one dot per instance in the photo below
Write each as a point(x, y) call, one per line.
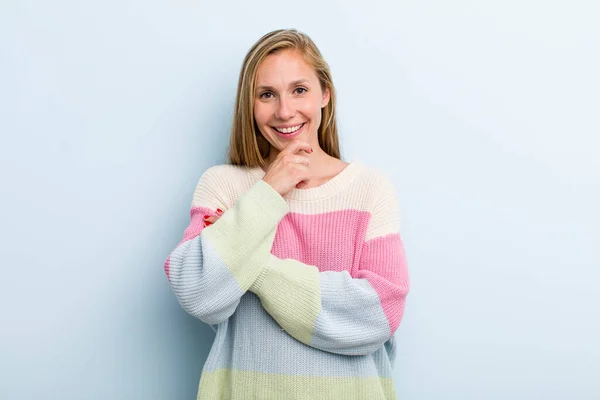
point(209, 219)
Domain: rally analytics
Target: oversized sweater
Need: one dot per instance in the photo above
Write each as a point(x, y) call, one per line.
point(304, 292)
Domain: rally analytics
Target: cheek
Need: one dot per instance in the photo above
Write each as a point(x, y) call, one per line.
point(313, 109)
point(261, 114)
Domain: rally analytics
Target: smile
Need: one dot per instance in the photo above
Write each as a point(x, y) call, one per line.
point(288, 130)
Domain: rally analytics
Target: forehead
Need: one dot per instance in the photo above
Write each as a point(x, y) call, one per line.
point(283, 67)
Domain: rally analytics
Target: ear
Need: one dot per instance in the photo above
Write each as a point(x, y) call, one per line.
point(326, 97)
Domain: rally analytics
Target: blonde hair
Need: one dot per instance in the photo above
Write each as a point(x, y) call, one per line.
point(247, 146)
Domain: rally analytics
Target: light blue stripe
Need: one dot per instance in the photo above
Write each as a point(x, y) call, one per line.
point(252, 340)
point(351, 320)
point(390, 346)
point(202, 283)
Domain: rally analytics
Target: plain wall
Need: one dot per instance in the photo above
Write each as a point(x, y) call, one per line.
point(484, 114)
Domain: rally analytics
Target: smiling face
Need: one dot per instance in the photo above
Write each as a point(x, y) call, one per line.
point(288, 100)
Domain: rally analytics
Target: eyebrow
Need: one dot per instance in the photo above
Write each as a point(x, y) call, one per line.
point(295, 83)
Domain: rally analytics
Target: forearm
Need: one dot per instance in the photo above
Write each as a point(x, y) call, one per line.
point(334, 311)
point(213, 267)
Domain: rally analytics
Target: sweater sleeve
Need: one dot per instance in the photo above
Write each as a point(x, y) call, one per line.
point(212, 267)
point(336, 311)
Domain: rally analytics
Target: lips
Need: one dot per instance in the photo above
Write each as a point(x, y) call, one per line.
point(289, 130)
point(292, 134)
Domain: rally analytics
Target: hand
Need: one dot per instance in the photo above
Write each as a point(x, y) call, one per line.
point(209, 219)
point(290, 168)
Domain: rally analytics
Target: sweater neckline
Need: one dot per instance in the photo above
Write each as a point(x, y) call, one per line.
point(332, 186)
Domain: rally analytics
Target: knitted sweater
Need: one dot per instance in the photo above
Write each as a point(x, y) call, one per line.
point(304, 292)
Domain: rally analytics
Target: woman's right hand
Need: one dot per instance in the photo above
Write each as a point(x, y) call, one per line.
point(290, 168)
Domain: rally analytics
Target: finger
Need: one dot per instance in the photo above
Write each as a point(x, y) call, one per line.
point(297, 145)
point(301, 184)
point(302, 160)
point(305, 176)
point(304, 172)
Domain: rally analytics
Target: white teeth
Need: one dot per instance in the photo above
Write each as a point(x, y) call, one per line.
point(289, 130)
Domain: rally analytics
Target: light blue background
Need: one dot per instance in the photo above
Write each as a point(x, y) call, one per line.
point(484, 114)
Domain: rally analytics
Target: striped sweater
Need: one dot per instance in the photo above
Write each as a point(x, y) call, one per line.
point(304, 292)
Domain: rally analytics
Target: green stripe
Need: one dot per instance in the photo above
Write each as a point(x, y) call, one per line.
point(231, 384)
point(291, 294)
point(244, 234)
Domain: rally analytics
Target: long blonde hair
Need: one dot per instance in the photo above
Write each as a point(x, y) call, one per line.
point(247, 146)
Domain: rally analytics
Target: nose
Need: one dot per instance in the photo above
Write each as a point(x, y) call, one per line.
point(285, 109)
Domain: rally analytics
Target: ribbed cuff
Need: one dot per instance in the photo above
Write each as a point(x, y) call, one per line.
point(290, 292)
point(258, 283)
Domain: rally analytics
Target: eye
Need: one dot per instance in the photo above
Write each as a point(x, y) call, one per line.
point(302, 90)
point(263, 95)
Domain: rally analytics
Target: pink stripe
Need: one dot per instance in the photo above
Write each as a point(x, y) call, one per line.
point(196, 222)
point(383, 264)
point(167, 266)
point(381, 260)
point(194, 229)
point(337, 232)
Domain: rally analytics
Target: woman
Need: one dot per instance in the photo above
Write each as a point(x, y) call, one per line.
point(292, 255)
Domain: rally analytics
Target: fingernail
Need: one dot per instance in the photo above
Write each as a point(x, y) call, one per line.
point(207, 223)
point(206, 216)
point(219, 211)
